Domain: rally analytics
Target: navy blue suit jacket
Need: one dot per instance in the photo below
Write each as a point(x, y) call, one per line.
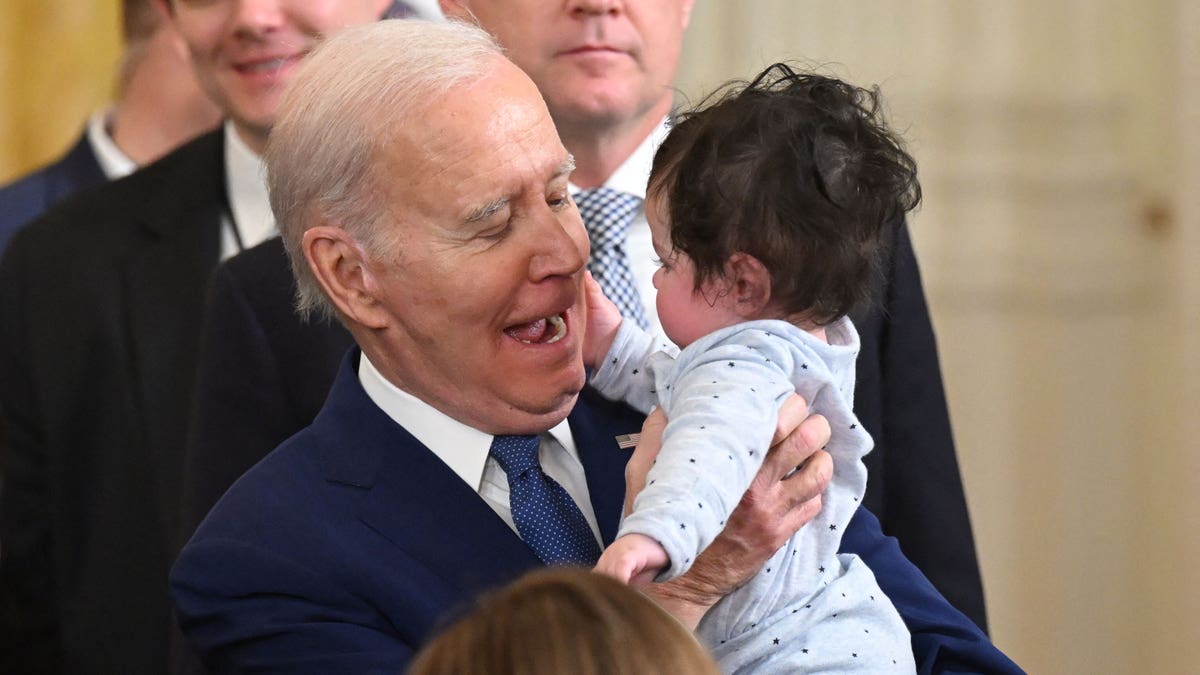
point(343, 548)
point(28, 197)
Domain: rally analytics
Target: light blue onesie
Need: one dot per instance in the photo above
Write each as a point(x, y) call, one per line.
point(810, 608)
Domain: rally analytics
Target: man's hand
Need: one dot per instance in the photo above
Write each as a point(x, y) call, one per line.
point(603, 320)
point(784, 495)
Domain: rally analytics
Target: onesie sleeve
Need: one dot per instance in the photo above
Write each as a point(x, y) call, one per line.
point(722, 410)
point(625, 375)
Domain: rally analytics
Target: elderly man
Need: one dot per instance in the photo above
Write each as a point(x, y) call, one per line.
point(458, 447)
point(100, 312)
point(604, 68)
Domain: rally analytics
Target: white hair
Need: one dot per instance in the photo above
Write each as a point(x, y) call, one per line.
point(342, 108)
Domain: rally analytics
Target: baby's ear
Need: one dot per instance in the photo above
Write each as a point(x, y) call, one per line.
point(749, 283)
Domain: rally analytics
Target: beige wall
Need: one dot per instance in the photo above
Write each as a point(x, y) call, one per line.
point(56, 65)
point(1059, 153)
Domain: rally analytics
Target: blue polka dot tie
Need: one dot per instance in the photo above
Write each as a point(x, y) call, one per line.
point(607, 214)
point(547, 518)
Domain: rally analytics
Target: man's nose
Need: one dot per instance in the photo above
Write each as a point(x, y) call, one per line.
point(562, 245)
point(253, 17)
point(596, 7)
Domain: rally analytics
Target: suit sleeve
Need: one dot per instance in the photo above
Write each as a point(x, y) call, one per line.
point(245, 608)
point(944, 640)
point(923, 505)
point(239, 407)
point(29, 621)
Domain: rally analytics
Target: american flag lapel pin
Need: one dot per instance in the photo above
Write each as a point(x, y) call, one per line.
point(626, 441)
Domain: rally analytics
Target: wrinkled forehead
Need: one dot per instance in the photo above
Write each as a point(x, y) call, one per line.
point(492, 136)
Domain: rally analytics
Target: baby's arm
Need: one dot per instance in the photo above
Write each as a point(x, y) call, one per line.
point(619, 352)
point(634, 559)
point(721, 420)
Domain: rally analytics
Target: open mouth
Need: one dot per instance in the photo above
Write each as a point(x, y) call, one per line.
point(541, 332)
point(266, 66)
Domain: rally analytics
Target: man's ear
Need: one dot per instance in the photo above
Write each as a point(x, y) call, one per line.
point(456, 9)
point(687, 12)
point(341, 267)
point(165, 9)
point(749, 285)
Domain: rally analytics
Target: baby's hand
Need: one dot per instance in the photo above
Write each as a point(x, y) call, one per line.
point(603, 320)
point(634, 559)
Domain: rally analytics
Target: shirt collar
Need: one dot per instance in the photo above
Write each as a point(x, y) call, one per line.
point(113, 162)
point(630, 177)
point(247, 186)
point(463, 448)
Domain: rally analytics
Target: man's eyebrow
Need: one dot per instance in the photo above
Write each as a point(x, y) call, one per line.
point(491, 208)
point(487, 210)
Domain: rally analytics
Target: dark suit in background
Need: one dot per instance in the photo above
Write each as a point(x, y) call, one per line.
point(28, 197)
point(341, 550)
point(913, 481)
point(100, 311)
point(263, 375)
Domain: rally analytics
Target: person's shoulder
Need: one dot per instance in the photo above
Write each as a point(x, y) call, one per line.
point(194, 167)
point(25, 192)
point(29, 196)
point(747, 339)
point(271, 491)
point(101, 216)
point(21, 201)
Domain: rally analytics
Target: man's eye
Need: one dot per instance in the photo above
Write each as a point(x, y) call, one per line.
point(558, 201)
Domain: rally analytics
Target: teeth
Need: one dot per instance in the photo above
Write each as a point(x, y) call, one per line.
point(273, 64)
point(560, 328)
point(542, 328)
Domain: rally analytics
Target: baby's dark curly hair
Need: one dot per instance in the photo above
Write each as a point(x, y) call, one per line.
point(798, 170)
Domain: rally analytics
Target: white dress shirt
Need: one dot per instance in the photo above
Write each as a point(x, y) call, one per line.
point(467, 450)
point(249, 204)
point(114, 163)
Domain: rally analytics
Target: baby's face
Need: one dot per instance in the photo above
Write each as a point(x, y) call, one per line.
point(685, 311)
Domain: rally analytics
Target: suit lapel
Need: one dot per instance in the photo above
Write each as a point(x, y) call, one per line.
point(595, 423)
point(173, 250)
point(415, 501)
point(411, 497)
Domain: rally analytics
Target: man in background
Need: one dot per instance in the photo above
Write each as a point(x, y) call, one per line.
point(158, 106)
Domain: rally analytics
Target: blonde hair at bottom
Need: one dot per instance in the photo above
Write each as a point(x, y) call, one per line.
point(564, 620)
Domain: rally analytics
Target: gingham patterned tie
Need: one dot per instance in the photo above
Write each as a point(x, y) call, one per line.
point(607, 214)
point(547, 519)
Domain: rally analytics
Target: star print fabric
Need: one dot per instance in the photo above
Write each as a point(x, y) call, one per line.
point(721, 396)
point(548, 520)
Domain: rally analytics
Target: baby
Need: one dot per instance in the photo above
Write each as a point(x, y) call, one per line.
point(766, 206)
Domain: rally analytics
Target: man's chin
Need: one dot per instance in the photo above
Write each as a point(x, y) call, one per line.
point(536, 417)
point(611, 104)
